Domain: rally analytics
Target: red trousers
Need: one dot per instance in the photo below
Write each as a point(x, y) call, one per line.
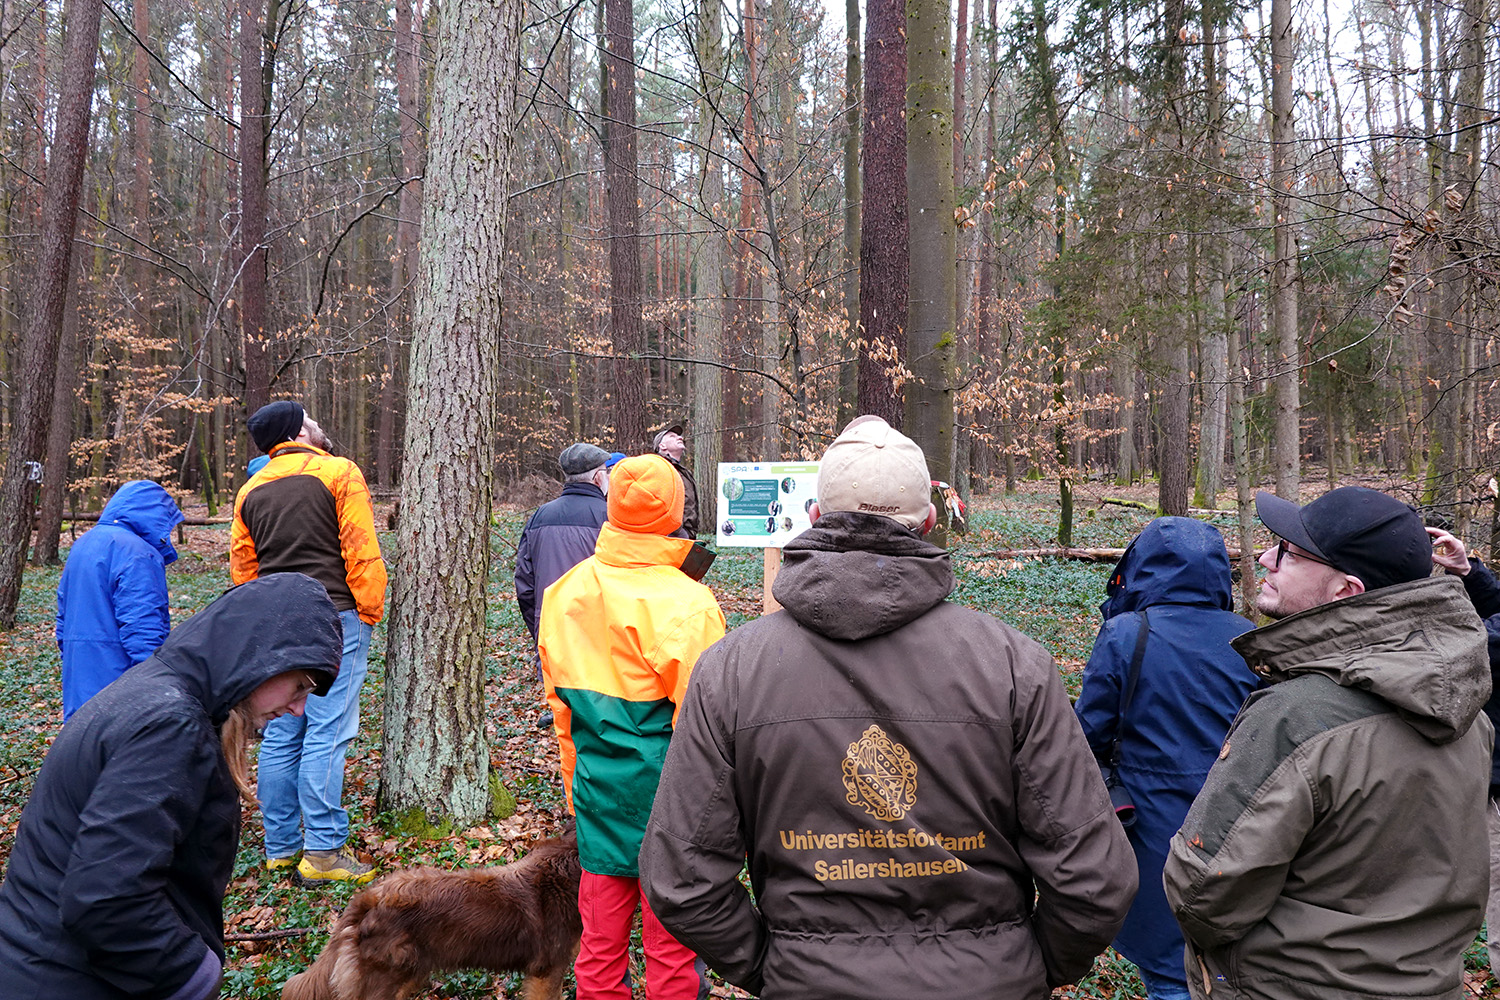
point(607, 904)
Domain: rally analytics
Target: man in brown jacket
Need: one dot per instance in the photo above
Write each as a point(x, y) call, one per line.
point(921, 814)
point(1338, 850)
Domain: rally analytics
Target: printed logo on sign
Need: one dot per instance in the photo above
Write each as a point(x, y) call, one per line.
point(880, 776)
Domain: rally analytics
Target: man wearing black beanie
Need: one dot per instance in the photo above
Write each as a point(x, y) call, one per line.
point(1339, 847)
point(307, 511)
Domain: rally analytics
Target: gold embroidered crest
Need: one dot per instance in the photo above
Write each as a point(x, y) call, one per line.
point(880, 776)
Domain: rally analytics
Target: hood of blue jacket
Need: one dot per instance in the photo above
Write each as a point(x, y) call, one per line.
point(1175, 560)
point(148, 510)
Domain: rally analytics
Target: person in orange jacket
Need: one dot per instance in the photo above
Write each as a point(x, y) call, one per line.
point(307, 511)
point(618, 637)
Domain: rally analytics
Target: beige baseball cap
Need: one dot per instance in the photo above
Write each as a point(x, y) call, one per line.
point(872, 468)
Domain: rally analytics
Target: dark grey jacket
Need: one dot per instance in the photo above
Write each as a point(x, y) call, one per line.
point(1338, 850)
point(115, 887)
point(560, 535)
point(921, 814)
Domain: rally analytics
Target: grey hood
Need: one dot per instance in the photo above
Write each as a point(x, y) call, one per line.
point(1420, 646)
point(853, 576)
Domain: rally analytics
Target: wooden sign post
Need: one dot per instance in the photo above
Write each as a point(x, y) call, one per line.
point(771, 567)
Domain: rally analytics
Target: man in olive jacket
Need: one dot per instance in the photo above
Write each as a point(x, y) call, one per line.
point(921, 813)
point(1338, 850)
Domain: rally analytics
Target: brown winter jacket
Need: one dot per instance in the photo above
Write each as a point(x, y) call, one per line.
point(1338, 850)
point(921, 814)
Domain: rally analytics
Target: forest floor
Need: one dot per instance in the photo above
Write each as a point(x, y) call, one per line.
point(1054, 601)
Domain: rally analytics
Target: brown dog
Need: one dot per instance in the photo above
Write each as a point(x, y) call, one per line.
point(521, 917)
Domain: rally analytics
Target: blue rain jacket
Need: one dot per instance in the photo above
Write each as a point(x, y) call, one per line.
point(1190, 687)
point(112, 598)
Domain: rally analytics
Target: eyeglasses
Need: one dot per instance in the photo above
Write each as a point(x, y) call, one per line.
point(1283, 547)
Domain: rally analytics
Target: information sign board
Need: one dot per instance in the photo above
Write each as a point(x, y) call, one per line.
point(763, 504)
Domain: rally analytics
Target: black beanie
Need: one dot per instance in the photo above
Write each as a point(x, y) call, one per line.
point(276, 422)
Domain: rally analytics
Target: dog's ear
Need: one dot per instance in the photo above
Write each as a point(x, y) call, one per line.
point(570, 828)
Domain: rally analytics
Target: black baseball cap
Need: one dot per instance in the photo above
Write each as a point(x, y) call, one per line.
point(1359, 531)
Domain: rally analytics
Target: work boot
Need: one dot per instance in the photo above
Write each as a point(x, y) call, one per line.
point(544, 721)
point(333, 866)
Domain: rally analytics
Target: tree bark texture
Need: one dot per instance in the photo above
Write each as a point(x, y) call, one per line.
point(631, 419)
point(1214, 365)
point(933, 240)
point(883, 260)
point(1287, 437)
point(435, 755)
point(403, 264)
point(60, 435)
point(853, 96)
point(255, 98)
point(38, 367)
point(708, 264)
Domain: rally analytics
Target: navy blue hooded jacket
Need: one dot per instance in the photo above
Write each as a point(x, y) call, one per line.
point(1190, 687)
point(112, 598)
point(1484, 592)
point(560, 535)
point(115, 886)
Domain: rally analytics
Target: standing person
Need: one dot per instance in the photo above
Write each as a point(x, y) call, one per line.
point(112, 609)
point(561, 534)
point(620, 633)
point(669, 444)
point(309, 512)
point(1159, 692)
point(116, 882)
point(1484, 593)
point(921, 814)
point(1338, 848)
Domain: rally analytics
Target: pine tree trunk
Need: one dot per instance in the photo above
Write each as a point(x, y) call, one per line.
point(57, 466)
point(255, 102)
point(403, 265)
point(853, 95)
point(626, 331)
point(435, 760)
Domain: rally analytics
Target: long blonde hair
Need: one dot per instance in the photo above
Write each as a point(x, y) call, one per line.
point(234, 740)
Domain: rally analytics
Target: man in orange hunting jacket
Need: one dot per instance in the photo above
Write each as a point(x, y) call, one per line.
point(307, 511)
point(619, 635)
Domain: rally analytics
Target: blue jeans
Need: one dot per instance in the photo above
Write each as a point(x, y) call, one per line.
point(301, 783)
point(1162, 988)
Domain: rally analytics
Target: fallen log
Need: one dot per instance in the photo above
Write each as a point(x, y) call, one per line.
point(285, 932)
point(194, 521)
point(1083, 555)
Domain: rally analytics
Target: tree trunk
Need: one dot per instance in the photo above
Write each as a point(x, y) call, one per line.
point(1214, 366)
point(435, 761)
point(403, 264)
point(626, 332)
point(883, 259)
point(708, 268)
point(853, 96)
point(257, 61)
point(933, 241)
point(1287, 433)
point(57, 466)
point(38, 368)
